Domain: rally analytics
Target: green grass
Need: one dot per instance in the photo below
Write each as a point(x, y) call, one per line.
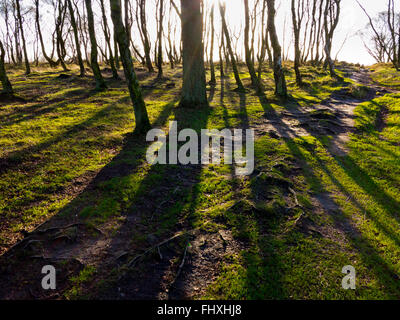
point(85, 275)
point(386, 75)
point(67, 134)
point(366, 187)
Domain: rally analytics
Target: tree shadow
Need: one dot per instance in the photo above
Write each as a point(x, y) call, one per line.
point(41, 109)
point(261, 263)
point(371, 257)
point(164, 205)
point(87, 213)
point(16, 158)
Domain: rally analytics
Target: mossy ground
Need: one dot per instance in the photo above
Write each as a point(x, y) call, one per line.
point(69, 152)
point(385, 75)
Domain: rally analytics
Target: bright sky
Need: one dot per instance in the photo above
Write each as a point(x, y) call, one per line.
point(351, 21)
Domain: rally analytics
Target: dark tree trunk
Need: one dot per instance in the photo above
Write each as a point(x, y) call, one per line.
point(268, 48)
point(239, 83)
point(141, 117)
point(116, 53)
point(108, 41)
point(331, 20)
point(220, 51)
point(18, 53)
point(213, 81)
point(37, 18)
point(248, 55)
point(128, 18)
point(319, 33)
point(159, 36)
point(392, 25)
point(279, 76)
point(145, 35)
point(170, 50)
point(100, 83)
point(27, 67)
point(60, 41)
point(297, 53)
point(262, 51)
point(137, 54)
point(76, 38)
point(7, 87)
point(194, 78)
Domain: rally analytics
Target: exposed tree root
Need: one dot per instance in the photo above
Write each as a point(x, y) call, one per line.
point(137, 258)
point(180, 266)
point(58, 228)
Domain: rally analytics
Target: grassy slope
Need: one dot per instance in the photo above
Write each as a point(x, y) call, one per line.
point(386, 75)
point(66, 136)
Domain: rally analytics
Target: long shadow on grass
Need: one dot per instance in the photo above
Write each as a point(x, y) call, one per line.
point(41, 109)
point(262, 266)
point(371, 257)
point(152, 201)
point(112, 193)
point(358, 175)
point(70, 97)
point(163, 204)
point(45, 177)
point(16, 158)
point(386, 275)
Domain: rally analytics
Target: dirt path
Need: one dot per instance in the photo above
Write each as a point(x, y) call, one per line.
point(165, 267)
point(333, 117)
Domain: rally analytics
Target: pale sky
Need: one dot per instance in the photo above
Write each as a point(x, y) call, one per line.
point(351, 21)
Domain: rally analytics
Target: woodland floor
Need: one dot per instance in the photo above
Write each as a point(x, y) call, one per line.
point(76, 191)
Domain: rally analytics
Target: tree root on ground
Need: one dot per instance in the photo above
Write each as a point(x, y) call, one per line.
point(137, 258)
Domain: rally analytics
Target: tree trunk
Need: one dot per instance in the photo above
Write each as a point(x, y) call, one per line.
point(146, 42)
point(239, 83)
point(27, 67)
point(116, 53)
point(296, 30)
point(331, 20)
point(221, 59)
point(194, 78)
point(18, 54)
point(76, 37)
point(213, 81)
point(7, 87)
point(249, 61)
point(108, 41)
point(37, 18)
point(392, 25)
point(170, 45)
point(268, 47)
point(279, 76)
point(319, 33)
point(159, 36)
point(141, 117)
point(100, 83)
point(60, 41)
point(128, 18)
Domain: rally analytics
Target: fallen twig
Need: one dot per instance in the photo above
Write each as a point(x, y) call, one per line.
point(159, 252)
point(295, 197)
point(57, 228)
point(180, 266)
point(138, 257)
